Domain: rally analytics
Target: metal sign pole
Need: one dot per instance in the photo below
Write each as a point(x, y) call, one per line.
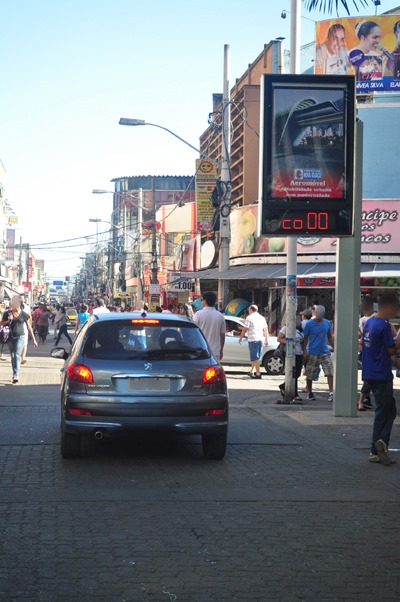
point(348, 259)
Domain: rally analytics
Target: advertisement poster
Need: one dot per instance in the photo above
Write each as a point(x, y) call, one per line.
point(380, 228)
point(206, 177)
point(309, 143)
point(368, 47)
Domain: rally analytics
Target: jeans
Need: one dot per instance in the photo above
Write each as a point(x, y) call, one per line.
point(385, 412)
point(298, 368)
point(42, 331)
point(63, 330)
point(16, 346)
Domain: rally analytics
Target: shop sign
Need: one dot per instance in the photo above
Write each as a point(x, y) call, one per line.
point(206, 177)
point(154, 289)
point(315, 282)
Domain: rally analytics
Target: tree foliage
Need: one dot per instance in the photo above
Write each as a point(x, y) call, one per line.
point(328, 6)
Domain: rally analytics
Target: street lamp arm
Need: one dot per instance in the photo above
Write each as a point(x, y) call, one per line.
point(135, 122)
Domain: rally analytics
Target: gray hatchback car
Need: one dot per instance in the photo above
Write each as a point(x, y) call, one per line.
point(128, 372)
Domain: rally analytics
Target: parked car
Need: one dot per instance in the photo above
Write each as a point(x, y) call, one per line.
point(238, 355)
point(132, 371)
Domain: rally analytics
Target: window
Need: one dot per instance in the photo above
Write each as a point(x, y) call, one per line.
point(123, 339)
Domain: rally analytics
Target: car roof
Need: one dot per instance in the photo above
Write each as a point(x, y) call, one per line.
point(121, 316)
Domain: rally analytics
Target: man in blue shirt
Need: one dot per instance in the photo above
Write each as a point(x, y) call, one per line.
point(378, 347)
point(317, 335)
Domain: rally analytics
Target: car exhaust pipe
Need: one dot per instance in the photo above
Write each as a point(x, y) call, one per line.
point(98, 435)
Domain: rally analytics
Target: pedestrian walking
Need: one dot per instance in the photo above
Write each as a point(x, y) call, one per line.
point(56, 319)
point(15, 319)
point(81, 318)
point(256, 330)
point(317, 336)
point(212, 324)
point(100, 307)
point(25, 308)
point(378, 348)
point(42, 322)
point(299, 355)
point(63, 327)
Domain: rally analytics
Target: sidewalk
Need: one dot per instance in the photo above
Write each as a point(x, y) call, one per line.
point(40, 369)
point(316, 416)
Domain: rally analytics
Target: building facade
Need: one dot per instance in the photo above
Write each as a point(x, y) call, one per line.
point(137, 259)
point(258, 264)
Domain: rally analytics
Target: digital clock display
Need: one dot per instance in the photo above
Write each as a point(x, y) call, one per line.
point(307, 155)
point(312, 222)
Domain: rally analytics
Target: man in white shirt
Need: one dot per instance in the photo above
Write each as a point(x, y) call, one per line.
point(256, 330)
point(212, 324)
point(101, 308)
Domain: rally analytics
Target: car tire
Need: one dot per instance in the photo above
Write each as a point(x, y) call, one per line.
point(70, 445)
point(214, 446)
point(273, 366)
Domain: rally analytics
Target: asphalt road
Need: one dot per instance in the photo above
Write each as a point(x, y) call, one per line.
point(294, 512)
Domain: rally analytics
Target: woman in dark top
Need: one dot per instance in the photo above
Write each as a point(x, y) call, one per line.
point(15, 318)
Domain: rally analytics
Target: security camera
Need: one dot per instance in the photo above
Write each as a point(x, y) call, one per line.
point(283, 14)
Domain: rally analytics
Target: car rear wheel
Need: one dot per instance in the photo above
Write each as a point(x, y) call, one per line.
point(70, 445)
point(273, 366)
point(214, 446)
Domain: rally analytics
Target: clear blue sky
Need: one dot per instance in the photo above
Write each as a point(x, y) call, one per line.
point(70, 69)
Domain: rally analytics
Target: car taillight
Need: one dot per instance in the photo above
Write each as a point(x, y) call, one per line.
point(213, 375)
point(79, 412)
point(79, 374)
point(215, 412)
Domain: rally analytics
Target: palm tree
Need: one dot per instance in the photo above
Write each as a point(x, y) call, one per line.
point(327, 6)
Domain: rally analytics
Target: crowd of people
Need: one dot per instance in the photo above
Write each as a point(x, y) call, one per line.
point(379, 345)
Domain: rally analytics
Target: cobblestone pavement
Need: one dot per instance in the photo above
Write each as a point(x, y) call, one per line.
point(294, 513)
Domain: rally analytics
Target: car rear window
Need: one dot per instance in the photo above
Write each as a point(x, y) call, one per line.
point(126, 339)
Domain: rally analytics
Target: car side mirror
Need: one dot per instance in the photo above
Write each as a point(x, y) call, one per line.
point(59, 353)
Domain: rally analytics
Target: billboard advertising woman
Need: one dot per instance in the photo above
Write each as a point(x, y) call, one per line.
point(368, 47)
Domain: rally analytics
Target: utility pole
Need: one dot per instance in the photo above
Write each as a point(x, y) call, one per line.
point(291, 259)
point(20, 269)
point(27, 275)
point(225, 205)
point(154, 266)
point(139, 245)
point(95, 258)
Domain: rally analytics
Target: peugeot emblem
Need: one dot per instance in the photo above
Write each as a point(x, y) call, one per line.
point(148, 367)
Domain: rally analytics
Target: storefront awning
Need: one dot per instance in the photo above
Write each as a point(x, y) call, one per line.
point(275, 271)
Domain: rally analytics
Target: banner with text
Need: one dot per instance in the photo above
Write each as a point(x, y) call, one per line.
point(206, 177)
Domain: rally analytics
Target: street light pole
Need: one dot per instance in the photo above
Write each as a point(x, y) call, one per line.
point(96, 221)
point(139, 245)
point(291, 259)
point(136, 122)
point(224, 231)
point(154, 266)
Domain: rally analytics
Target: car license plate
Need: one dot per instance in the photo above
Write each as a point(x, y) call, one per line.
point(149, 384)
